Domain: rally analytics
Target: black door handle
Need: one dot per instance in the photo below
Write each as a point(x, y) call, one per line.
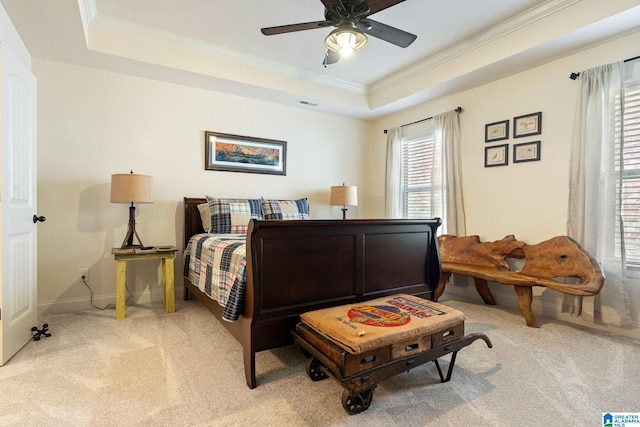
point(37, 218)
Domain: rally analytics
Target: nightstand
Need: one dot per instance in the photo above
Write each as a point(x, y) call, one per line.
point(164, 253)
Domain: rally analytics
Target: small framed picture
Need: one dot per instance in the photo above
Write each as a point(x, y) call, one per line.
point(526, 152)
point(496, 131)
point(529, 124)
point(498, 155)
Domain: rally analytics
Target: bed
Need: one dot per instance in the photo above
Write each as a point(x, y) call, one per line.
point(295, 266)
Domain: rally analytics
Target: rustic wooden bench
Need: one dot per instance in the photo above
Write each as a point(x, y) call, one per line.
point(555, 263)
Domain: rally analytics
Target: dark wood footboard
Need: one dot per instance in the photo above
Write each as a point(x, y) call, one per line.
point(298, 266)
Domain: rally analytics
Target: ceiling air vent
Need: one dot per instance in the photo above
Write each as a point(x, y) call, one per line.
point(308, 103)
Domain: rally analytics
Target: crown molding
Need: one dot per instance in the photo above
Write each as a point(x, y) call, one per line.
point(143, 32)
point(91, 17)
point(88, 11)
point(494, 33)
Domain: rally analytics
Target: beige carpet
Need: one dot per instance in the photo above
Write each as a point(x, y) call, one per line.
point(183, 369)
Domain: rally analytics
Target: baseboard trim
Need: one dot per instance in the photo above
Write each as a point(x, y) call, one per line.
point(81, 304)
point(542, 309)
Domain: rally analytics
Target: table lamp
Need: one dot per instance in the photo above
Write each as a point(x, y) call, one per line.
point(131, 188)
point(344, 195)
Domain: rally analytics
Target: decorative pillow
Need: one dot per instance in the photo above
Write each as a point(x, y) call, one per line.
point(285, 209)
point(205, 216)
point(232, 215)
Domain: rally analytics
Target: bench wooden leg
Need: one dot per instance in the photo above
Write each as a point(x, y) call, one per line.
point(483, 290)
point(481, 286)
point(525, 295)
point(444, 278)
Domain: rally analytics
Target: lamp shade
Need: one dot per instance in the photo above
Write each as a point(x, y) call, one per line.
point(344, 195)
point(346, 39)
point(131, 188)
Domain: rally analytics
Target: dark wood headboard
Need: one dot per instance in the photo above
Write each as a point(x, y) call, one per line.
point(296, 266)
point(192, 223)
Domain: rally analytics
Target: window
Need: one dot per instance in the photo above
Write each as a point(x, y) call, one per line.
point(631, 172)
point(416, 185)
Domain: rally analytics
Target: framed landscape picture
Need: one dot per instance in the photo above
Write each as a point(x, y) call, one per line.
point(235, 153)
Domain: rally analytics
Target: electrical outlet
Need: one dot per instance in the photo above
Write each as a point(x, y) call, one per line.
point(83, 273)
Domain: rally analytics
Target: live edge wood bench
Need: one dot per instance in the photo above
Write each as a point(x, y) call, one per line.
point(548, 264)
point(362, 344)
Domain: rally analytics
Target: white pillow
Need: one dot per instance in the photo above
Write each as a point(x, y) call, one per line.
point(205, 216)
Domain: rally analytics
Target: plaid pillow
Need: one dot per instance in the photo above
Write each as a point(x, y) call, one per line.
point(285, 209)
point(231, 216)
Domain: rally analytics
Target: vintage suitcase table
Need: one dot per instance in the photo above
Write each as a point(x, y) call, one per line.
point(361, 344)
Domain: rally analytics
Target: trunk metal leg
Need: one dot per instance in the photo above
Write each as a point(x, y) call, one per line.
point(450, 370)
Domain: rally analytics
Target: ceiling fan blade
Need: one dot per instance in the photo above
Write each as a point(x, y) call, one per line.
point(270, 31)
point(329, 4)
point(331, 57)
point(387, 33)
point(377, 5)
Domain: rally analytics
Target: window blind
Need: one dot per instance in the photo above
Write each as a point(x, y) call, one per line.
point(417, 162)
point(630, 209)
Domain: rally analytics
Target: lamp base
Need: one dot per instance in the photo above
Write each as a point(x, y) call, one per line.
point(344, 212)
point(127, 243)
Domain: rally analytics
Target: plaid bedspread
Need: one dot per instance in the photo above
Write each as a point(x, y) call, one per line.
point(216, 264)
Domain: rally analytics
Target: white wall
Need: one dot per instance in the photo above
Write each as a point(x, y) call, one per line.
point(92, 124)
point(528, 200)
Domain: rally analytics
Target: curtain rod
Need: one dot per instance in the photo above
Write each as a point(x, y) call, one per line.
point(457, 110)
point(574, 76)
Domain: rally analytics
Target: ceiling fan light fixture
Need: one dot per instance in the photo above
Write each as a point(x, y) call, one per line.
point(346, 40)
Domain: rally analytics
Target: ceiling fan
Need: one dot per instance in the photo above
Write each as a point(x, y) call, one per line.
point(351, 19)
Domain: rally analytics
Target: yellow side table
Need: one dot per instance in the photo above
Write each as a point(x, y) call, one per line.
point(165, 253)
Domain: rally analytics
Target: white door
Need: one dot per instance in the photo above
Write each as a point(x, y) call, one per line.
point(18, 266)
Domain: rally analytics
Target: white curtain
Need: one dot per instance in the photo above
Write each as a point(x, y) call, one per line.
point(594, 193)
point(393, 204)
point(446, 175)
point(446, 200)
